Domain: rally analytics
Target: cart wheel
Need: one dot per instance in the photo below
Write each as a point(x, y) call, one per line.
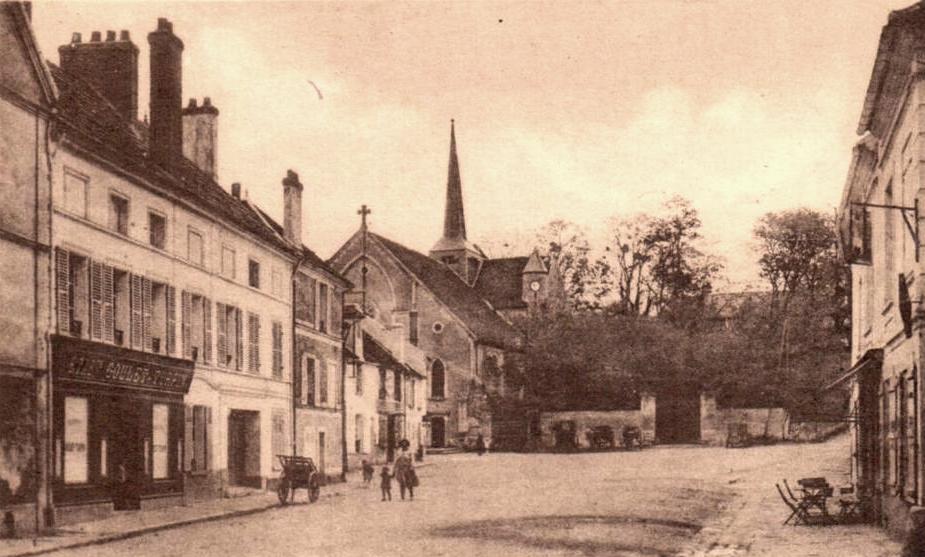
point(314, 490)
point(283, 491)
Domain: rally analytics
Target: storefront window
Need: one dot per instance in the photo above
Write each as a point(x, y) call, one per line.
point(160, 424)
point(75, 440)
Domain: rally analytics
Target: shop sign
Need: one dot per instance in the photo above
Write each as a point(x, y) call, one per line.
point(92, 362)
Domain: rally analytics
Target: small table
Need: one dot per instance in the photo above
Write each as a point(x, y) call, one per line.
point(816, 492)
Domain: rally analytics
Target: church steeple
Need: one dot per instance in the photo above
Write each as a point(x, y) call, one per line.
point(453, 249)
point(454, 218)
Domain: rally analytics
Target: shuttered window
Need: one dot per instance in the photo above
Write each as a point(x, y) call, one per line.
point(222, 332)
point(171, 300)
point(185, 326)
point(238, 339)
point(308, 380)
point(109, 306)
point(63, 290)
point(147, 303)
point(277, 350)
point(323, 385)
point(96, 300)
point(207, 332)
point(253, 343)
point(137, 314)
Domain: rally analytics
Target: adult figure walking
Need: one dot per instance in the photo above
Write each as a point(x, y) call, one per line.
point(480, 444)
point(405, 474)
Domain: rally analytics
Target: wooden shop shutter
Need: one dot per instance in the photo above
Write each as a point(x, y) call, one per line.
point(137, 313)
point(171, 299)
point(222, 326)
point(63, 288)
point(188, 438)
point(185, 337)
point(253, 343)
point(912, 445)
point(207, 330)
point(96, 300)
point(146, 303)
point(109, 319)
point(239, 340)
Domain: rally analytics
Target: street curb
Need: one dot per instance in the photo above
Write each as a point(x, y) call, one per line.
point(144, 531)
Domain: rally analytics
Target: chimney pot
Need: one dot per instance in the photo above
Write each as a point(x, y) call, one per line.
point(110, 36)
point(75, 38)
point(124, 36)
point(236, 190)
point(95, 37)
point(292, 208)
point(207, 101)
point(192, 103)
point(163, 24)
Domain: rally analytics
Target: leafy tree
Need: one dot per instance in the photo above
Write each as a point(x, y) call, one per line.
point(585, 279)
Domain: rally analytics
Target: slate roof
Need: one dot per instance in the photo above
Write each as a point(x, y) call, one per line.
point(501, 284)
point(93, 123)
point(376, 353)
point(462, 300)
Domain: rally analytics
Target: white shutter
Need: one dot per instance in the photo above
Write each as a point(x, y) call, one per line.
point(109, 322)
point(96, 300)
point(222, 324)
point(207, 330)
point(137, 313)
point(63, 289)
point(170, 294)
point(146, 307)
point(185, 338)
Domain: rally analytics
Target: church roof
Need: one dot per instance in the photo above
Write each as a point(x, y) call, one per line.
point(463, 301)
point(500, 282)
point(93, 124)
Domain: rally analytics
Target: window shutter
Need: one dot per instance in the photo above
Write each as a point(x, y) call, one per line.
point(253, 338)
point(297, 384)
point(207, 332)
point(171, 299)
point(137, 314)
point(208, 438)
point(185, 338)
point(188, 438)
point(277, 350)
point(109, 320)
point(222, 324)
point(146, 303)
point(96, 300)
point(63, 287)
point(239, 340)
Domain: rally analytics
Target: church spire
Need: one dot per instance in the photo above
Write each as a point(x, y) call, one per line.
point(454, 220)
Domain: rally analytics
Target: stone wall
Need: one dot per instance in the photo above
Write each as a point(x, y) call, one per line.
point(715, 421)
point(644, 418)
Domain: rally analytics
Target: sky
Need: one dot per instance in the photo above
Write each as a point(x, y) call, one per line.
point(579, 111)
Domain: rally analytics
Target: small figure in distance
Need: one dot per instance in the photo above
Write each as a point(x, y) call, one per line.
point(386, 483)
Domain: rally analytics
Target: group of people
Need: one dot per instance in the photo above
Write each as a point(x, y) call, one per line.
point(404, 473)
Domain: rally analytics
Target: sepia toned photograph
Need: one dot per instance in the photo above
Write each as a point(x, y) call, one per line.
point(626, 278)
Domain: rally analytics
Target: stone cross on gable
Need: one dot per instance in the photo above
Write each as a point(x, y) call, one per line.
point(363, 211)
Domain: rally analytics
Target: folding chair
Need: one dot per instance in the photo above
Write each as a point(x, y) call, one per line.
point(798, 513)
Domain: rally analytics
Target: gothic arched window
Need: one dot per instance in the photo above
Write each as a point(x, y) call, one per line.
point(437, 380)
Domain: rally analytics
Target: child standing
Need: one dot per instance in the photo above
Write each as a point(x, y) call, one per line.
point(386, 483)
point(367, 472)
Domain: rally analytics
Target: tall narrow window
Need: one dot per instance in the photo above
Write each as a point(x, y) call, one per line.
point(308, 380)
point(323, 385)
point(359, 378)
point(194, 247)
point(75, 193)
point(277, 350)
point(413, 328)
point(121, 307)
point(396, 391)
point(157, 230)
point(253, 273)
point(437, 380)
point(207, 330)
point(323, 308)
point(228, 262)
point(75, 440)
point(253, 342)
point(160, 435)
point(118, 214)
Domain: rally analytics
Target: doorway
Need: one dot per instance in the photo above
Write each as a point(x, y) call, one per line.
point(438, 432)
point(244, 448)
point(126, 452)
point(677, 415)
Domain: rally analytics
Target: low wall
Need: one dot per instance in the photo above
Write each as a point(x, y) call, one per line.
point(715, 421)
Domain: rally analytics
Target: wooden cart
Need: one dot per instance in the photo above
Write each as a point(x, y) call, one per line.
point(298, 472)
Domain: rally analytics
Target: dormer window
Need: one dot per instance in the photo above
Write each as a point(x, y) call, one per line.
point(449, 259)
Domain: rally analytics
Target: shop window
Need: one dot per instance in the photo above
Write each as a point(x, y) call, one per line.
point(157, 230)
point(253, 343)
point(437, 380)
point(75, 193)
point(228, 262)
point(277, 350)
point(76, 440)
point(323, 308)
point(118, 214)
point(160, 435)
point(195, 247)
point(253, 273)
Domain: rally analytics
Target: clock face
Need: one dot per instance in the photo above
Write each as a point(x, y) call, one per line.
point(535, 285)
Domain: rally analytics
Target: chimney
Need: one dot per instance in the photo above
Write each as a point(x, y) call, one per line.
point(111, 67)
point(292, 208)
point(166, 139)
point(236, 190)
point(200, 135)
